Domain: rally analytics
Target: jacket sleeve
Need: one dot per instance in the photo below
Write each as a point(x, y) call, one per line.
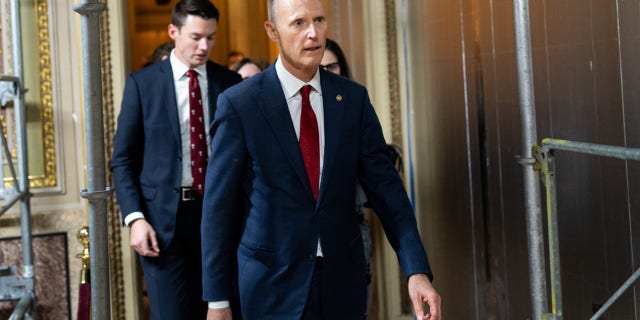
point(387, 196)
point(223, 202)
point(128, 148)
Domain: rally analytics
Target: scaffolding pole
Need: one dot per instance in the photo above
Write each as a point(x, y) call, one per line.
point(97, 191)
point(21, 140)
point(535, 239)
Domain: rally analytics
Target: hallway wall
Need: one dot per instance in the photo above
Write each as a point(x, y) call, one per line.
point(466, 126)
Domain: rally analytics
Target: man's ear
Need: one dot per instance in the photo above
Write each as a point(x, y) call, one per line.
point(272, 33)
point(173, 31)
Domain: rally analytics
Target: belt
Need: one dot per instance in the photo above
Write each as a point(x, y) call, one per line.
point(189, 194)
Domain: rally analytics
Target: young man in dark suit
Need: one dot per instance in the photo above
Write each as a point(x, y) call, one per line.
point(287, 147)
point(160, 157)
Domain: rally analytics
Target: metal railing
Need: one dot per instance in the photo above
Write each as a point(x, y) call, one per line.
point(545, 163)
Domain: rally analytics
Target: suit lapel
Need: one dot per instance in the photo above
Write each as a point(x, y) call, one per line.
point(213, 90)
point(168, 91)
point(275, 109)
point(333, 105)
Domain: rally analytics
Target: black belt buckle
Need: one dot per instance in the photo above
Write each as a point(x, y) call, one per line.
point(188, 194)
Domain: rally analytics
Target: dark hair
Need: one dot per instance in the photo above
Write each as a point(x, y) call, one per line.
point(201, 8)
point(235, 53)
point(259, 63)
point(342, 61)
point(271, 11)
point(236, 66)
point(162, 51)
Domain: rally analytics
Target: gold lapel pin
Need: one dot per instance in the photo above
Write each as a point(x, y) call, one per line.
point(339, 97)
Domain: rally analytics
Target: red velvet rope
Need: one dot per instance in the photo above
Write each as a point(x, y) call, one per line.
point(84, 301)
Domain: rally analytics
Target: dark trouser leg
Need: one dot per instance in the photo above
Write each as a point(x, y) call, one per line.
point(313, 308)
point(174, 280)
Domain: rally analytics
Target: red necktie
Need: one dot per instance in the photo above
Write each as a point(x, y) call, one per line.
point(310, 141)
point(197, 135)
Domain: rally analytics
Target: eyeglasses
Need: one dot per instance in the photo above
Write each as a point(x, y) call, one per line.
point(332, 67)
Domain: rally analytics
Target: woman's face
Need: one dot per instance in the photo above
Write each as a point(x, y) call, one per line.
point(330, 62)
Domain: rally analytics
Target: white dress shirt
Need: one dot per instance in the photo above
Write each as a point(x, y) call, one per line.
point(181, 81)
point(291, 87)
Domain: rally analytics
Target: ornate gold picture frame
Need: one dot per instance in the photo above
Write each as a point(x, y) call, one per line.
point(36, 58)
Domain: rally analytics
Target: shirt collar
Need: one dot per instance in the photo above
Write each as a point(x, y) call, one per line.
point(180, 69)
point(290, 84)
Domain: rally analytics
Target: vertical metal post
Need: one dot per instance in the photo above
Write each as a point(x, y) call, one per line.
point(546, 163)
point(21, 140)
point(537, 279)
point(552, 231)
point(97, 191)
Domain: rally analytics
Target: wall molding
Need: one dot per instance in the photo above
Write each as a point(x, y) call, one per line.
point(114, 221)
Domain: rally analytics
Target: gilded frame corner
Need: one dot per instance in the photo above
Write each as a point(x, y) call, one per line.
point(47, 175)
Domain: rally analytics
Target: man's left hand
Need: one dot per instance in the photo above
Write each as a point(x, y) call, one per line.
point(420, 291)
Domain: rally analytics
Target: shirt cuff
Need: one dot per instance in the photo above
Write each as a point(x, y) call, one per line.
point(131, 217)
point(219, 304)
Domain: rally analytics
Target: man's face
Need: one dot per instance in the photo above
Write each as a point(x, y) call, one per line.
point(194, 40)
point(300, 28)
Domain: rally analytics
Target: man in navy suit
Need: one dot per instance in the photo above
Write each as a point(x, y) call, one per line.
point(291, 231)
point(152, 160)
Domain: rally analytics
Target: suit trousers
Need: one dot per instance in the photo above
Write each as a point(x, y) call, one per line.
point(313, 308)
point(174, 279)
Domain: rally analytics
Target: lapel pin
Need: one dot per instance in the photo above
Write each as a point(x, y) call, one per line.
point(339, 97)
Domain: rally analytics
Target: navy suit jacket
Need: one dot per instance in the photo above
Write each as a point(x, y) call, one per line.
point(259, 210)
point(147, 155)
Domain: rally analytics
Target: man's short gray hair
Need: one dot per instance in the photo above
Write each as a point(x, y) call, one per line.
point(271, 10)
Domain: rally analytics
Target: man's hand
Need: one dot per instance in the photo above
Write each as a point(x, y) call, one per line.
point(421, 290)
point(143, 238)
point(219, 314)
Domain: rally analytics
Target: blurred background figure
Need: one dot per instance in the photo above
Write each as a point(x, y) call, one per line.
point(233, 58)
point(247, 67)
point(334, 60)
point(162, 51)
